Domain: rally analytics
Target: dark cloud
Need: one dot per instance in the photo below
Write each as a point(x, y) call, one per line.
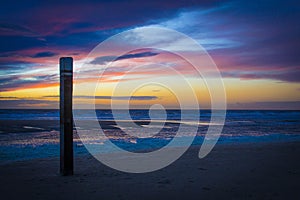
point(16, 102)
point(27, 103)
point(119, 97)
point(44, 54)
point(104, 59)
point(286, 76)
point(267, 105)
point(16, 81)
point(137, 55)
point(108, 97)
point(51, 96)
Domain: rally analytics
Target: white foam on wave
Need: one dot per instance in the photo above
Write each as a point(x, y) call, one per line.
point(31, 127)
point(191, 122)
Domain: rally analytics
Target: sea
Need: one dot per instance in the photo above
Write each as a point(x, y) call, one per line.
point(34, 133)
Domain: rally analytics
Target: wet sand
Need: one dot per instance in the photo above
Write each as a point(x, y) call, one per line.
point(239, 171)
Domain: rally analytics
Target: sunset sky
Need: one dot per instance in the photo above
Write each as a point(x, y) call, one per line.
point(255, 45)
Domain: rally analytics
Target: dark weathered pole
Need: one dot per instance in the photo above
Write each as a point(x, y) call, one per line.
point(66, 119)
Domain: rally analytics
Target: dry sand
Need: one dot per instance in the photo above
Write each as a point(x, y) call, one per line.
point(240, 171)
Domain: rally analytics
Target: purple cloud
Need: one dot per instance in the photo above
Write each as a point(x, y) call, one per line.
point(104, 59)
point(247, 40)
point(44, 54)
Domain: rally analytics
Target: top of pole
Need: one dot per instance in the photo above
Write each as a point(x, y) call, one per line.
point(66, 64)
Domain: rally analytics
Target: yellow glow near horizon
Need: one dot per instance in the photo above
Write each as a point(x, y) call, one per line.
point(35, 93)
point(237, 91)
point(260, 90)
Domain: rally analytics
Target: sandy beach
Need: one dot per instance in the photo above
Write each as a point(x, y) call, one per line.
point(230, 171)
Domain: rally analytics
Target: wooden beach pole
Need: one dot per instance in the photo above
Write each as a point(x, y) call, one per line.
point(66, 117)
